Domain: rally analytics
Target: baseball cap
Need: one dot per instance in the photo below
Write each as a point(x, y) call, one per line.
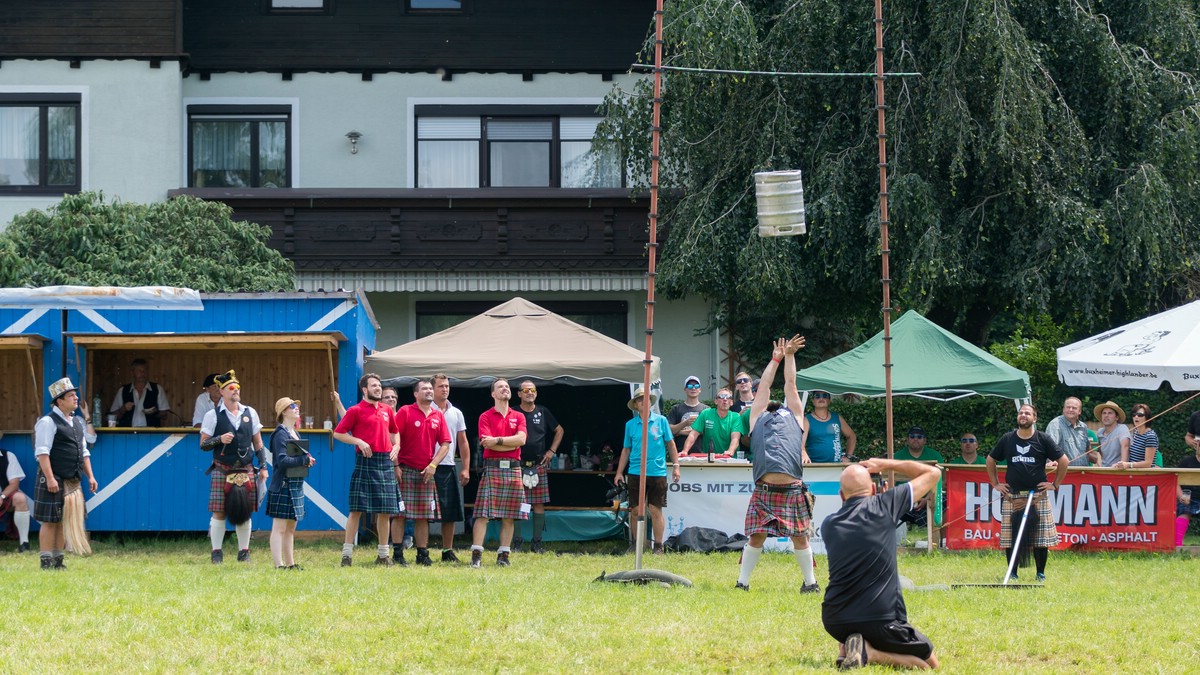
point(690, 379)
point(916, 430)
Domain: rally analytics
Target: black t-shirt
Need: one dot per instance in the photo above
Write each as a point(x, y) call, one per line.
point(675, 416)
point(539, 427)
point(1026, 459)
point(860, 540)
point(1194, 424)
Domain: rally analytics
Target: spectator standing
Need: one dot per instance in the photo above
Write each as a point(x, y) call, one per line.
point(233, 433)
point(285, 496)
point(140, 403)
point(1188, 504)
point(13, 502)
point(1114, 435)
point(1143, 444)
point(743, 396)
point(823, 442)
point(916, 451)
point(718, 429)
point(659, 444)
point(501, 433)
point(207, 400)
point(370, 428)
point(864, 609)
point(681, 415)
point(536, 454)
point(424, 442)
point(1072, 435)
point(449, 479)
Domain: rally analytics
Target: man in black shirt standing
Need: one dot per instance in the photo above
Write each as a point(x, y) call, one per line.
point(540, 427)
point(863, 608)
point(1027, 450)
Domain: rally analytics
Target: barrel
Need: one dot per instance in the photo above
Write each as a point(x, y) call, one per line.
point(780, 197)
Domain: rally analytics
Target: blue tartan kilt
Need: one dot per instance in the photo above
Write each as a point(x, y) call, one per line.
point(373, 486)
point(287, 500)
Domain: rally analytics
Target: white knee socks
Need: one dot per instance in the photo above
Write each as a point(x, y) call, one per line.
point(750, 556)
point(216, 532)
point(804, 556)
point(243, 535)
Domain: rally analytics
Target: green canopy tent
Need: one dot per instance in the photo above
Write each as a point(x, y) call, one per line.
point(929, 362)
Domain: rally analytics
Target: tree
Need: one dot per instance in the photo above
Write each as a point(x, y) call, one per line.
point(1047, 160)
point(183, 242)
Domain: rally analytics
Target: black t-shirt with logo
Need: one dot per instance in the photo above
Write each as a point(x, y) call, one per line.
point(539, 426)
point(1026, 459)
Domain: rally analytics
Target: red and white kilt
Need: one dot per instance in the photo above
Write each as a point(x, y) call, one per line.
point(779, 513)
point(216, 487)
point(500, 493)
point(541, 493)
point(419, 497)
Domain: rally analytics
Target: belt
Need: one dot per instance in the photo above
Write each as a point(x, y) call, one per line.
point(793, 487)
point(502, 463)
point(529, 463)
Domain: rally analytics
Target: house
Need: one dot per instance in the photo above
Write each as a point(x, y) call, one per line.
point(434, 153)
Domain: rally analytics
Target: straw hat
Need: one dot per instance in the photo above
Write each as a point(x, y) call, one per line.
point(635, 403)
point(281, 405)
point(1109, 404)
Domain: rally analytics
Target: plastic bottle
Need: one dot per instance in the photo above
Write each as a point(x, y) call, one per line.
point(575, 454)
point(96, 412)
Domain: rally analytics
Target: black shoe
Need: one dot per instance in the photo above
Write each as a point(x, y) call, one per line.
point(742, 587)
point(347, 561)
point(423, 559)
point(384, 561)
point(502, 559)
point(659, 550)
point(58, 563)
point(448, 556)
point(244, 555)
point(517, 542)
point(217, 556)
point(476, 558)
point(856, 652)
point(814, 587)
point(23, 548)
point(295, 568)
point(535, 546)
point(47, 563)
point(398, 557)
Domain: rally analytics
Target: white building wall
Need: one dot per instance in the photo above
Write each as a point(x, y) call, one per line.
point(131, 143)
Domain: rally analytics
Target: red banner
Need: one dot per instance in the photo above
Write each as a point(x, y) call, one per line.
point(1094, 511)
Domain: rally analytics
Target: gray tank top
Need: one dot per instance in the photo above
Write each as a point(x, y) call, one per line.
point(778, 444)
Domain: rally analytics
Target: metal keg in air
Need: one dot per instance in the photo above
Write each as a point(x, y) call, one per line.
point(780, 197)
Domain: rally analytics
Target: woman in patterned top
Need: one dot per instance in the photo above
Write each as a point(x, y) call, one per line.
point(1143, 447)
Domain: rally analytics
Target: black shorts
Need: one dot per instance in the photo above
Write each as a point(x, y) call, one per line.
point(894, 637)
point(449, 498)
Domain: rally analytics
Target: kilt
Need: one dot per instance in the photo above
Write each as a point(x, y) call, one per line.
point(450, 506)
point(541, 493)
point(47, 505)
point(286, 501)
point(216, 487)
point(373, 485)
point(419, 497)
point(779, 513)
point(1046, 535)
point(500, 494)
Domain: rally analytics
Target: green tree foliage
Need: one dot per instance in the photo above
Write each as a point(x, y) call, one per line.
point(1047, 161)
point(184, 242)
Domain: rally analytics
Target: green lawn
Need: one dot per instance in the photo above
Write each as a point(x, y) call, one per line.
point(161, 606)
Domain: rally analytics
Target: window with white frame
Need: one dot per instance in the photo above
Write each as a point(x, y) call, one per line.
point(40, 143)
point(239, 146)
point(519, 146)
point(299, 6)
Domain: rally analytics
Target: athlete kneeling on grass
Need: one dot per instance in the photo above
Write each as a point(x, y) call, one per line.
point(863, 608)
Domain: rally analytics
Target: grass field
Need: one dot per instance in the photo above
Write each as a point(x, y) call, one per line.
point(160, 606)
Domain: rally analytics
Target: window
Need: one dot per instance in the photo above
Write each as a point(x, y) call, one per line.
point(442, 6)
point(239, 146)
point(298, 6)
point(40, 143)
point(518, 148)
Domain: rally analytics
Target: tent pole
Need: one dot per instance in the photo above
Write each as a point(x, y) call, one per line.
point(880, 114)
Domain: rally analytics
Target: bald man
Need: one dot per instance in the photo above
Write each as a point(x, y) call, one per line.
point(863, 609)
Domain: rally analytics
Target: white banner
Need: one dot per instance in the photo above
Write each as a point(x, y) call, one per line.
point(716, 496)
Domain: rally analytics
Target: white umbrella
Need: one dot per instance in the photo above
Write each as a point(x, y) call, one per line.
point(1161, 348)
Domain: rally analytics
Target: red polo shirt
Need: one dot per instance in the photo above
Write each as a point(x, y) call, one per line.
point(371, 423)
point(492, 423)
point(420, 435)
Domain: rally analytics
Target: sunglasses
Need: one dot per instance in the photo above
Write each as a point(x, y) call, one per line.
point(233, 386)
point(967, 440)
point(295, 405)
point(529, 390)
point(1139, 414)
point(741, 380)
point(916, 435)
point(692, 386)
point(820, 395)
point(724, 397)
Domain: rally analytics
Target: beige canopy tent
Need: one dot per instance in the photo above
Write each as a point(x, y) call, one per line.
point(517, 339)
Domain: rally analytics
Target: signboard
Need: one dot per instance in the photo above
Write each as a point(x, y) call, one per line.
point(1094, 510)
point(716, 496)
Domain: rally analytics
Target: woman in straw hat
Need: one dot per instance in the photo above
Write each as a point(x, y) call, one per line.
point(60, 446)
point(285, 497)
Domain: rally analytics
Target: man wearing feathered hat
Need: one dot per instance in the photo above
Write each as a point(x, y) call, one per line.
point(60, 441)
point(233, 433)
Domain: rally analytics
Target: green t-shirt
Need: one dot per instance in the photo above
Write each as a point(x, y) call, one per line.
point(927, 455)
point(716, 432)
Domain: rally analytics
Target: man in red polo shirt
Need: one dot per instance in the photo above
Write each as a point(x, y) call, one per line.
point(370, 427)
point(501, 493)
point(424, 441)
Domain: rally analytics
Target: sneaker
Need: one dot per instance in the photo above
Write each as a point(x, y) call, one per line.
point(47, 563)
point(856, 652)
point(502, 559)
point(535, 546)
point(295, 568)
point(1041, 578)
point(814, 587)
point(23, 548)
point(423, 559)
point(217, 556)
point(476, 558)
point(742, 587)
point(1013, 577)
point(398, 558)
point(58, 563)
point(659, 550)
point(449, 557)
point(408, 542)
point(244, 555)
point(347, 561)
point(384, 561)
